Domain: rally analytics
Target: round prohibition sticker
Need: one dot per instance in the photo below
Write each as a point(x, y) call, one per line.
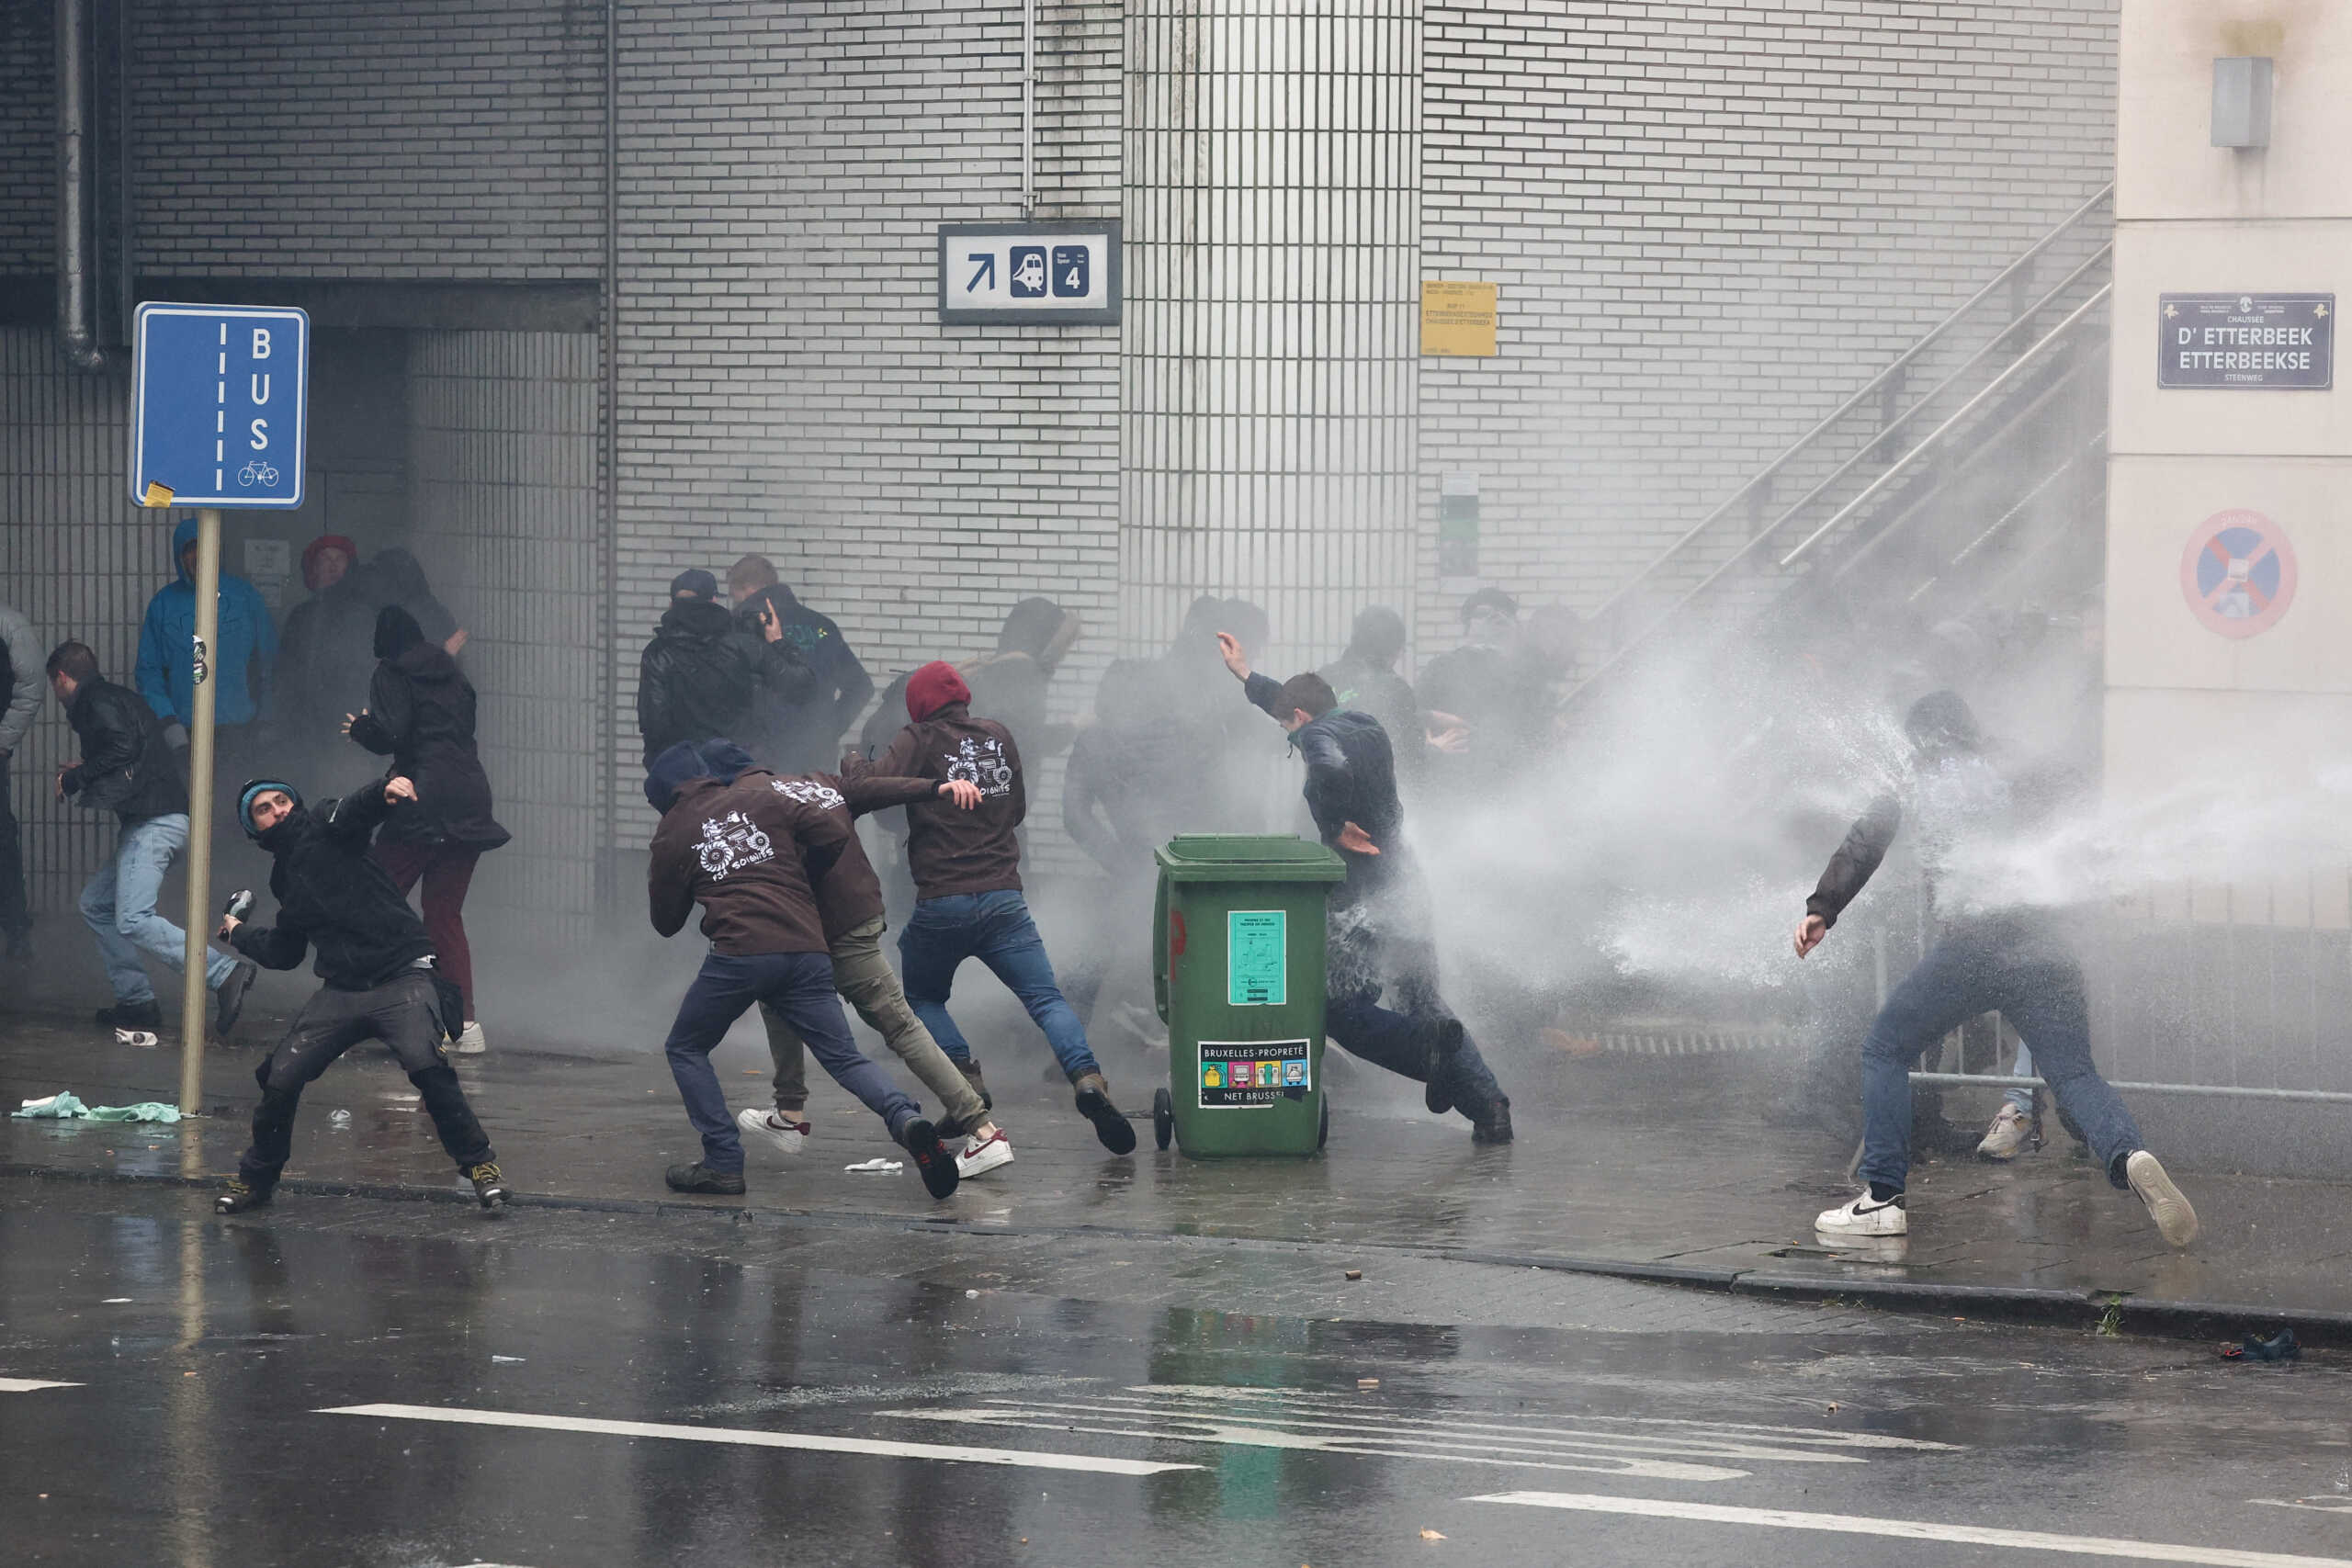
point(2238, 573)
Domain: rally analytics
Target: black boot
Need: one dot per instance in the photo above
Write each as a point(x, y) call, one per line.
point(242, 1195)
point(131, 1015)
point(700, 1178)
point(1110, 1124)
point(1444, 1039)
point(932, 1158)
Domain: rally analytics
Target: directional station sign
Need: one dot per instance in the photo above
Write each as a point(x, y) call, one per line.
point(1029, 273)
point(217, 395)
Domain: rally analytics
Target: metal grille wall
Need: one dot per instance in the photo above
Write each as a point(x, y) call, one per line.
point(1268, 375)
point(503, 451)
point(79, 562)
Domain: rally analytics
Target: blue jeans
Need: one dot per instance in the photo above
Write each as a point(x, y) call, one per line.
point(994, 927)
point(2022, 1098)
point(120, 903)
point(2015, 966)
point(800, 986)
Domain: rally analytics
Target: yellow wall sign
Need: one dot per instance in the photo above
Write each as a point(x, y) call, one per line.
point(1458, 318)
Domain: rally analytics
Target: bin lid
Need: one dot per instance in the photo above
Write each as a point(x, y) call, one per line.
point(1248, 857)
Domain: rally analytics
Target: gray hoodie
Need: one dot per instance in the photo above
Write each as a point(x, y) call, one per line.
point(30, 683)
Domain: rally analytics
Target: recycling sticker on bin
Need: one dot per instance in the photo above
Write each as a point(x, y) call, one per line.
point(1249, 1074)
point(1256, 958)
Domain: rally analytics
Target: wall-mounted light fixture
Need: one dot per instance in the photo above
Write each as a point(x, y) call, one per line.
point(2241, 101)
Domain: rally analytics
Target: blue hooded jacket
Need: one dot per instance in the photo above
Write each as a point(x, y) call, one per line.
point(167, 645)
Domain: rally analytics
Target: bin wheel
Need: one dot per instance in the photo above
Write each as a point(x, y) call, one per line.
point(1163, 1117)
point(1323, 1127)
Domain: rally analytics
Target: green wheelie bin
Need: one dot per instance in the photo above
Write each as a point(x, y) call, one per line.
point(1237, 974)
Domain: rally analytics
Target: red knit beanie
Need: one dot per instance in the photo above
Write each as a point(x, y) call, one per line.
point(934, 687)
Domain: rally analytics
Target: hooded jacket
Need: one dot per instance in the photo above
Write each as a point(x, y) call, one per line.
point(323, 660)
point(243, 659)
point(396, 577)
point(21, 686)
point(127, 766)
point(421, 714)
point(1351, 777)
point(701, 678)
point(331, 897)
point(1127, 787)
point(801, 722)
point(1364, 678)
point(950, 850)
point(751, 855)
point(1010, 686)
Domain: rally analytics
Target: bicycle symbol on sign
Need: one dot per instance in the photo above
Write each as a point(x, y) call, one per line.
point(257, 474)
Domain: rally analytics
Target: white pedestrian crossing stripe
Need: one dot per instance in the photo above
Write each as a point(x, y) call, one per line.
point(1915, 1529)
point(815, 1442)
point(1332, 1423)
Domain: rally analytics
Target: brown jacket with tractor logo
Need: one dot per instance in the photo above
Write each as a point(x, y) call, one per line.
point(750, 854)
point(951, 851)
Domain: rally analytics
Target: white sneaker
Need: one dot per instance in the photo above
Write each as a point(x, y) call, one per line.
point(1865, 1216)
point(470, 1041)
point(789, 1137)
point(979, 1156)
point(2007, 1138)
point(2166, 1205)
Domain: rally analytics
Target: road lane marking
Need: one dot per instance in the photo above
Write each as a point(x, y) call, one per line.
point(27, 1385)
point(810, 1441)
point(1312, 1421)
point(1915, 1529)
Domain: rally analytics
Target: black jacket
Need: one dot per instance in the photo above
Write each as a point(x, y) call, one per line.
point(323, 663)
point(801, 719)
point(127, 766)
point(332, 896)
point(702, 677)
point(1127, 791)
point(1351, 777)
point(421, 714)
point(1367, 685)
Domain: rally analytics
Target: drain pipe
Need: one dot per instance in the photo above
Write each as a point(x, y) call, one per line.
point(77, 336)
point(1028, 109)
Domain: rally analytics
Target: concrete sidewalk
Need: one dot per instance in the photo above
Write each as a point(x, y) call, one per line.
point(1614, 1172)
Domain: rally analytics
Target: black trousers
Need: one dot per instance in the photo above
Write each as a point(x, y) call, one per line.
point(401, 1014)
point(16, 915)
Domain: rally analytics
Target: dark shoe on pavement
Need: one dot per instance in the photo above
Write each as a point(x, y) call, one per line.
point(241, 1196)
point(932, 1158)
point(131, 1015)
point(490, 1185)
point(971, 1071)
point(700, 1178)
point(1094, 1103)
point(231, 998)
point(1444, 1043)
point(1493, 1127)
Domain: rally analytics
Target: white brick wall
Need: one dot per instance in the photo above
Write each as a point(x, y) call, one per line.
point(377, 139)
point(786, 386)
point(1710, 222)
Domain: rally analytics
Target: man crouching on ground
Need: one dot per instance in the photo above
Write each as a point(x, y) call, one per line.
point(376, 965)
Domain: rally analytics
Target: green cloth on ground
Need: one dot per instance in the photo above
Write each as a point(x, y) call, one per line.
point(65, 1106)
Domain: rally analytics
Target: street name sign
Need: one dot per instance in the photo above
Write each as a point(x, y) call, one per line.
point(1029, 273)
point(218, 399)
point(2269, 343)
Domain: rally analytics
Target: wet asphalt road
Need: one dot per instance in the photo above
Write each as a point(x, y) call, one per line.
point(1175, 1400)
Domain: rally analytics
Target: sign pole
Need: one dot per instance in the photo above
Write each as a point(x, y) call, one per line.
point(193, 995)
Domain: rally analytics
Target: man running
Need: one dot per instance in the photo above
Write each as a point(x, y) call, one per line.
point(750, 853)
point(1379, 919)
point(376, 965)
point(2011, 960)
point(966, 868)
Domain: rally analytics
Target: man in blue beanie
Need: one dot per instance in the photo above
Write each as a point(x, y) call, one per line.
point(376, 967)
